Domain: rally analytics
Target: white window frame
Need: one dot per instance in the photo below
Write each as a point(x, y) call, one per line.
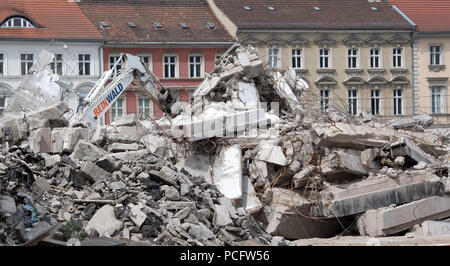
point(202, 65)
point(325, 101)
point(397, 98)
point(270, 57)
point(20, 62)
point(113, 108)
point(295, 56)
point(441, 105)
point(177, 62)
point(217, 57)
point(380, 58)
point(91, 62)
point(24, 23)
point(329, 56)
point(402, 57)
point(433, 58)
point(5, 65)
point(150, 60)
point(63, 65)
point(110, 65)
point(353, 56)
point(378, 104)
point(150, 106)
point(352, 97)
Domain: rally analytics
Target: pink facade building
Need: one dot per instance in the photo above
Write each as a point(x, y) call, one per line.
point(178, 40)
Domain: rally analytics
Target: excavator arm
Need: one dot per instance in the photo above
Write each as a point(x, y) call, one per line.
point(105, 94)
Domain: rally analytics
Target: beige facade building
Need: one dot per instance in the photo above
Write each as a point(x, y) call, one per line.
point(431, 49)
point(358, 63)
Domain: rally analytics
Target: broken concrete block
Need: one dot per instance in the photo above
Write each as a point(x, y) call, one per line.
point(198, 165)
point(125, 134)
point(104, 222)
point(93, 172)
point(65, 139)
point(41, 185)
point(86, 151)
point(222, 216)
point(227, 172)
point(272, 154)
point(38, 229)
point(388, 221)
point(301, 178)
point(200, 232)
point(413, 154)
point(287, 215)
point(40, 140)
point(255, 69)
point(109, 164)
point(380, 192)
point(51, 161)
point(7, 204)
point(435, 228)
point(177, 205)
point(129, 156)
point(250, 201)
point(137, 216)
point(350, 136)
point(423, 120)
point(118, 147)
point(165, 175)
point(126, 120)
point(343, 165)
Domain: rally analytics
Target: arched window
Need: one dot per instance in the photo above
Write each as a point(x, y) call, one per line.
point(17, 22)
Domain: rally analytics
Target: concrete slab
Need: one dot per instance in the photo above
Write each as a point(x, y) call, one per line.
point(343, 165)
point(380, 192)
point(227, 172)
point(435, 228)
point(388, 221)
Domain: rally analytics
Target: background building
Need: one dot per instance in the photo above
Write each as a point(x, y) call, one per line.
point(356, 54)
point(27, 27)
point(431, 55)
point(179, 40)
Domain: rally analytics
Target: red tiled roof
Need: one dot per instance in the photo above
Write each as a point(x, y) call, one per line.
point(56, 19)
point(428, 15)
point(300, 14)
point(170, 13)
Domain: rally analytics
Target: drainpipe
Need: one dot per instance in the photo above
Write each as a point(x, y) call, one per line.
point(413, 75)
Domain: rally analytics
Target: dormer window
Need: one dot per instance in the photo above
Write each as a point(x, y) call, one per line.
point(17, 22)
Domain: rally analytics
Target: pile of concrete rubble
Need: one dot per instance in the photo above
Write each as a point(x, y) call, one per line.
point(252, 161)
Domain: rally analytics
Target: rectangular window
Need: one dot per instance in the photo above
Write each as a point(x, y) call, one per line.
point(352, 58)
point(273, 57)
point(353, 102)
point(84, 64)
point(144, 107)
point(397, 57)
point(116, 109)
point(375, 102)
point(2, 64)
point(435, 55)
point(195, 66)
point(57, 64)
point(375, 58)
point(436, 100)
point(2, 104)
point(147, 61)
point(398, 102)
point(112, 61)
point(217, 58)
point(170, 64)
point(324, 99)
point(324, 58)
point(296, 58)
point(26, 62)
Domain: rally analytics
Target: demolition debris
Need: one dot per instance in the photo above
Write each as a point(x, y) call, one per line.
point(251, 160)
